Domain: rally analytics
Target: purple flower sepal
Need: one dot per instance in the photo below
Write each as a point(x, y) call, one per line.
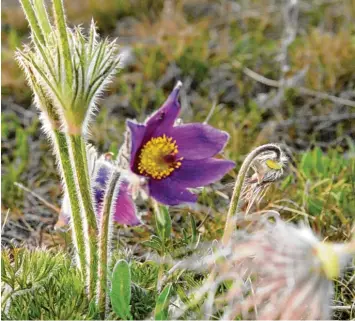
point(175, 158)
point(125, 211)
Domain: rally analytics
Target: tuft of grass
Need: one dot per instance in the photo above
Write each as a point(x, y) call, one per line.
point(15, 162)
point(328, 57)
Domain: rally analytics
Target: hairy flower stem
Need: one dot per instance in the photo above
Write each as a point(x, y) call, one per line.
point(105, 241)
point(76, 220)
point(79, 158)
point(235, 203)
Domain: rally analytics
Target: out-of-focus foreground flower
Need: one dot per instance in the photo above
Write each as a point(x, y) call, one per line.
point(291, 273)
point(174, 158)
point(281, 271)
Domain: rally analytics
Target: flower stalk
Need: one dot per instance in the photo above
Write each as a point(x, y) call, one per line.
point(69, 182)
point(105, 240)
point(235, 203)
point(79, 160)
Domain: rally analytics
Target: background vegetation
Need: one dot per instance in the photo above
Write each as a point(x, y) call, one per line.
point(265, 71)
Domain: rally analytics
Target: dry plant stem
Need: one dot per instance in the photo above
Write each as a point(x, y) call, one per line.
point(277, 84)
point(105, 242)
point(38, 197)
point(235, 204)
point(78, 149)
point(76, 219)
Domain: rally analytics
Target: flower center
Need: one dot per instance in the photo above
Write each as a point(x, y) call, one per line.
point(158, 157)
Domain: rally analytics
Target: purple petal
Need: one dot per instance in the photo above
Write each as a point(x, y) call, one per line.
point(103, 173)
point(198, 141)
point(163, 119)
point(137, 135)
point(166, 192)
point(195, 173)
point(99, 194)
point(101, 177)
point(125, 209)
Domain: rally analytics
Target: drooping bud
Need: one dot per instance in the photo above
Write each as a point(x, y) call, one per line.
point(268, 169)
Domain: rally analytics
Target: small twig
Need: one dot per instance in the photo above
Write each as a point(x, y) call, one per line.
point(343, 307)
point(290, 15)
point(165, 277)
point(277, 84)
point(322, 95)
point(5, 220)
point(41, 199)
point(210, 113)
point(289, 209)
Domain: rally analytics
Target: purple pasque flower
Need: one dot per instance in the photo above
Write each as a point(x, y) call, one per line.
point(100, 170)
point(174, 158)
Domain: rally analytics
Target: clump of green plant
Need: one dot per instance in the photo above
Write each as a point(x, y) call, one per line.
point(42, 284)
point(327, 57)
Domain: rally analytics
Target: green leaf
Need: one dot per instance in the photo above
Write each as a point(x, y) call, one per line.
point(186, 237)
point(121, 290)
point(194, 233)
point(307, 164)
point(163, 222)
point(286, 182)
point(154, 243)
point(318, 155)
point(315, 206)
point(161, 307)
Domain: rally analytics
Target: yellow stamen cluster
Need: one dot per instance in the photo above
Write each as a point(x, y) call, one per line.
point(273, 165)
point(329, 260)
point(153, 157)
